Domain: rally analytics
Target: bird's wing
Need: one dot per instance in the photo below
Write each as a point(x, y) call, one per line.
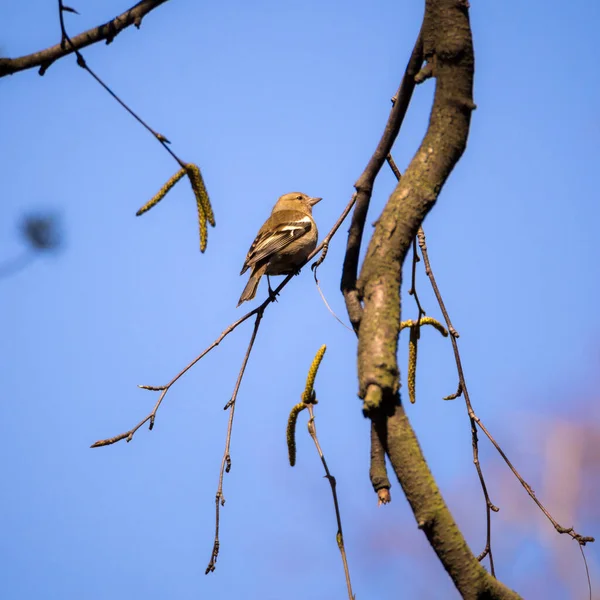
point(277, 232)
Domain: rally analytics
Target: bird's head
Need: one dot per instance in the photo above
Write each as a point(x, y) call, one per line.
point(295, 201)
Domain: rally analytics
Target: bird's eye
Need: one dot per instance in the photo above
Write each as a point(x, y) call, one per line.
point(298, 197)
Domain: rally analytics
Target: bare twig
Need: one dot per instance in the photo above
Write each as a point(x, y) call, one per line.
point(413, 287)
point(324, 245)
point(108, 31)
point(325, 299)
point(587, 571)
point(128, 435)
point(309, 399)
point(159, 136)
point(436, 290)
point(476, 422)
point(312, 429)
point(205, 212)
point(66, 40)
point(580, 539)
point(226, 461)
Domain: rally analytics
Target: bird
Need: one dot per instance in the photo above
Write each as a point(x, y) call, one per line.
point(283, 243)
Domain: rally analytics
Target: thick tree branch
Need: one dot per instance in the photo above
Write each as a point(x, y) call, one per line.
point(108, 31)
point(447, 48)
point(468, 575)
point(447, 45)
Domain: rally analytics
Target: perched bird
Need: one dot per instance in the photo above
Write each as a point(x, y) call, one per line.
point(283, 243)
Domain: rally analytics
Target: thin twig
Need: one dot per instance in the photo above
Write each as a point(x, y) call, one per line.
point(83, 64)
point(476, 421)
point(581, 539)
point(107, 31)
point(309, 399)
point(413, 287)
point(324, 245)
point(159, 136)
point(205, 212)
point(325, 300)
point(312, 429)
point(165, 388)
point(226, 461)
point(587, 570)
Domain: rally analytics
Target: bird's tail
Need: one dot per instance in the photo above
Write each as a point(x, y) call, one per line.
point(252, 285)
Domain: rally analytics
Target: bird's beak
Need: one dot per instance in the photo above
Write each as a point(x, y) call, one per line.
point(313, 201)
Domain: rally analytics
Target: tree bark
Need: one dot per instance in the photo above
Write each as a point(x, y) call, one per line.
point(448, 52)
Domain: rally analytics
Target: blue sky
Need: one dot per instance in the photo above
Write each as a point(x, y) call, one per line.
point(267, 98)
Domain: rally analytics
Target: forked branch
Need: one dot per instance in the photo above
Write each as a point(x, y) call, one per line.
point(364, 184)
point(447, 48)
point(106, 32)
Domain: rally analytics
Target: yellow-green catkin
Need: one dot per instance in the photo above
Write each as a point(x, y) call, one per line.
point(200, 192)
point(161, 193)
point(412, 363)
point(412, 349)
point(291, 431)
point(308, 395)
point(205, 211)
point(202, 225)
point(425, 321)
point(434, 323)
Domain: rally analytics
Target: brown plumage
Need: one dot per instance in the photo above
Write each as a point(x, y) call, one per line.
point(283, 243)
